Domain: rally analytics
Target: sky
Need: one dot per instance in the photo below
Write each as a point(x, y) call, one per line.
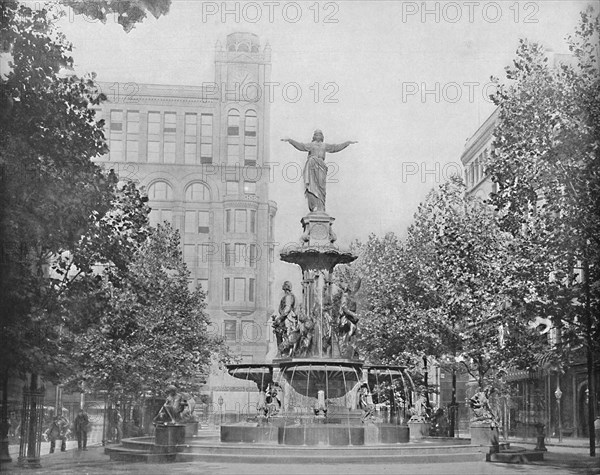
point(407, 80)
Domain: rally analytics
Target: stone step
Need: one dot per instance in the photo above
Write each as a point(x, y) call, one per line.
point(516, 455)
point(121, 454)
point(329, 451)
point(351, 457)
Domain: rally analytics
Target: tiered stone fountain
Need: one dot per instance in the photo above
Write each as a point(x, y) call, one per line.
point(321, 383)
point(313, 403)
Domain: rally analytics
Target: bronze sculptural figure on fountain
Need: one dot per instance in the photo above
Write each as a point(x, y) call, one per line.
point(348, 318)
point(171, 410)
point(315, 169)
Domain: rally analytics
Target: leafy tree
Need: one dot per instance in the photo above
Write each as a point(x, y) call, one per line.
point(50, 185)
point(463, 264)
point(127, 12)
point(152, 328)
point(546, 165)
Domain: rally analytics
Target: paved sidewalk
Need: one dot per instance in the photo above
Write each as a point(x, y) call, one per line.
point(558, 461)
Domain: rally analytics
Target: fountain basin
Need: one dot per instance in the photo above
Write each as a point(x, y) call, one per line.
point(314, 434)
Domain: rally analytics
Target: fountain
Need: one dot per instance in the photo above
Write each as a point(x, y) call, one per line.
point(326, 386)
point(314, 401)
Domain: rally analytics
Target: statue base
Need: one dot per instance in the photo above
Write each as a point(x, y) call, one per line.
point(317, 230)
point(418, 430)
point(168, 436)
point(485, 435)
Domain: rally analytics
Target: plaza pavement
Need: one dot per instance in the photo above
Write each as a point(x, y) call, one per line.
point(566, 458)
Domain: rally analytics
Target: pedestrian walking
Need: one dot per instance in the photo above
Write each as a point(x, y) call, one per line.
point(82, 423)
point(59, 428)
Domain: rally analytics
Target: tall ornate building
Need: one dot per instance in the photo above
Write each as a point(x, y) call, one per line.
point(202, 154)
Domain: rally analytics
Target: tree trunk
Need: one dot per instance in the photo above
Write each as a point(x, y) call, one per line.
point(453, 404)
point(590, 361)
point(4, 422)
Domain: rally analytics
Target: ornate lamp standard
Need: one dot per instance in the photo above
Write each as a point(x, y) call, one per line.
point(220, 401)
point(558, 395)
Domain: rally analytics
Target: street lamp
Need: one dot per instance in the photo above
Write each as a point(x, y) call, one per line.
point(220, 401)
point(558, 395)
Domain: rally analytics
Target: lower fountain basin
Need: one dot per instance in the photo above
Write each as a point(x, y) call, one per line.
point(315, 434)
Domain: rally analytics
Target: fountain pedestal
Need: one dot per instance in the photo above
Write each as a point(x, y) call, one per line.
point(418, 430)
point(485, 435)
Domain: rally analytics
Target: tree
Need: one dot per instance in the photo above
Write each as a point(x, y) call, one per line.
point(546, 164)
point(128, 13)
point(152, 328)
point(50, 185)
point(51, 188)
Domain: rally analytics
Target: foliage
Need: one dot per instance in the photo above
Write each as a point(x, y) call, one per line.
point(50, 188)
point(448, 291)
point(152, 328)
point(547, 166)
point(463, 264)
point(127, 12)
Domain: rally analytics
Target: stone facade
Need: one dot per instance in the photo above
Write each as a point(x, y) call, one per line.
point(202, 154)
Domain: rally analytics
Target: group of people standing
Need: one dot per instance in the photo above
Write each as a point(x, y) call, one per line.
point(60, 428)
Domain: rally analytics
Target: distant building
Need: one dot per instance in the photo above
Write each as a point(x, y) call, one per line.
point(202, 154)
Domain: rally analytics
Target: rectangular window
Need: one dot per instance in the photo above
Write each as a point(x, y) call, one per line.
point(133, 122)
point(159, 216)
point(190, 222)
point(229, 254)
point(203, 222)
point(233, 153)
point(227, 289)
point(170, 126)
point(116, 149)
point(203, 283)
point(231, 187)
point(153, 123)
point(271, 254)
point(230, 330)
point(206, 138)
point(132, 150)
point(250, 187)
point(189, 255)
point(240, 221)
point(228, 221)
point(153, 152)
point(251, 290)
point(247, 358)
point(250, 155)
point(116, 121)
point(206, 153)
point(252, 221)
point(252, 255)
point(239, 289)
point(190, 153)
point(169, 152)
point(203, 255)
point(191, 124)
point(240, 255)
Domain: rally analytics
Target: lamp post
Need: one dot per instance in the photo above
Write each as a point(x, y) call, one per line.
point(558, 395)
point(220, 401)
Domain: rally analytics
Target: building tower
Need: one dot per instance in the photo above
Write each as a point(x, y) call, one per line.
point(202, 154)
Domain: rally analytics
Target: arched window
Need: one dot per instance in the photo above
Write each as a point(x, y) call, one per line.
point(160, 191)
point(233, 123)
point(197, 192)
point(250, 140)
